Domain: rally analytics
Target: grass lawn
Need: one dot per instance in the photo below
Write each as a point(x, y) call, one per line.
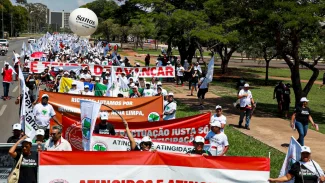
point(264, 96)
point(243, 145)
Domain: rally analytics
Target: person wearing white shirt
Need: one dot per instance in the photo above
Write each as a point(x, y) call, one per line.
point(203, 89)
point(148, 92)
point(43, 112)
point(86, 91)
point(218, 116)
point(73, 89)
point(246, 102)
point(125, 79)
point(198, 67)
point(163, 91)
point(170, 108)
point(180, 74)
point(219, 144)
point(57, 142)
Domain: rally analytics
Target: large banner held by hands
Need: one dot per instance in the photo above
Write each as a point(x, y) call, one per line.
point(148, 167)
point(89, 113)
point(131, 109)
point(181, 130)
point(97, 70)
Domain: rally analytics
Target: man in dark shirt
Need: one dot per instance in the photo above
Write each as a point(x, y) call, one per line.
point(286, 100)
point(16, 133)
point(104, 127)
point(198, 147)
point(278, 94)
point(45, 76)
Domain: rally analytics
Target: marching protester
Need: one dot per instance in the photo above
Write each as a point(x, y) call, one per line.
point(199, 147)
point(218, 141)
point(17, 133)
point(40, 136)
point(135, 92)
point(278, 94)
point(45, 75)
point(26, 159)
point(203, 89)
point(57, 142)
point(148, 92)
point(218, 116)
point(104, 127)
point(163, 91)
point(246, 102)
point(170, 108)
point(43, 112)
point(194, 80)
point(180, 74)
point(31, 84)
point(145, 144)
point(300, 118)
point(304, 170)
point(286, 100)
point(6, 80)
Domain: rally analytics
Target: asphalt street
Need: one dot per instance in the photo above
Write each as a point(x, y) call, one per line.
point(9, 111)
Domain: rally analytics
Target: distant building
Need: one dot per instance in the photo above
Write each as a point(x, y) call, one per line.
point(59, 19)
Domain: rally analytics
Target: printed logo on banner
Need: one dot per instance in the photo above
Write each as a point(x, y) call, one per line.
point(59, 181)
point(86, 123)
point(73, 135)
point(153, 116)
point(99, 146)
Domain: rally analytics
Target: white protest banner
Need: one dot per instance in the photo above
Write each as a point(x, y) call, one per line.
point(97, 70)
point(149, 167)
point(293, 155)
point(113, 143)
point(89, 112)
point(27, 118)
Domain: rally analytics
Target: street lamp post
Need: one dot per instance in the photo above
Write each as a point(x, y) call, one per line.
point(29, 24)
point(3, 30)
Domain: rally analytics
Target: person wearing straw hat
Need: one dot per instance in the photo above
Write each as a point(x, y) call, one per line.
point(300, 118)
point(305, 170)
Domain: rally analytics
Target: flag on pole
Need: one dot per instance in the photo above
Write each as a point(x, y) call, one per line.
point(293, 155)
point(209, 75)
point(100, 89)
point(89, 112)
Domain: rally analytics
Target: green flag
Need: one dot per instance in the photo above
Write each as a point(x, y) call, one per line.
point(100, 89)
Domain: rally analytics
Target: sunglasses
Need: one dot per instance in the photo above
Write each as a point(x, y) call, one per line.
point(146, 143)
point(54, 134)
point(200, 144)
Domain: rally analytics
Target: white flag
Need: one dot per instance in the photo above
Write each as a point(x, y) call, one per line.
point(293, 155)
point(209, 75)
point(89, 112)
point(27, 116)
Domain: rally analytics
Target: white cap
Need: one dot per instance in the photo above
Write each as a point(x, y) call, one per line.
point(157, 61)
point(168, 62)
point(30, 72)
point(304, 99)
point(16, 126)
point(104, 115)
point(132, 85)
point(97, 79)
point(74, 83)
point(146, 139)
point(40, 132)
point(147, 83)
point(246, 85)
point(170, 94)
point(135, 87)
point(305, 149)
point(137, 63)
point(215, 123)
point(27, 140)
point(45, 95)
point(6, 63)
point(82, 77)
point(123, 72)
point(195, 69)
point(218, 107)
point(199, 139)
point(66, 72)
point(86, 86)
point(61, 68)
point(159, 83)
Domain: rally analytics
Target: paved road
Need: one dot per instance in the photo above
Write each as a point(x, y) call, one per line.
point(9, 111)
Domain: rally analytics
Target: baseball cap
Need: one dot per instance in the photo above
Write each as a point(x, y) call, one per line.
point(170, 94)
point(305, 149)
point(97, 79)
point(82, 77)
point(66, 72)
point(216, 124)
point(6, 63)
point(199, 139)
point(40, 132)
point(137, 63)
point(135, 87)
point(86, 86)
point(147, 83)
point(159, 83)
point(61, 68)
point(27, 140)
point(16, 126)
point(246, 85)
point(218, 107)
point(74, 83)
point(304, 99)
point(132, 85)
point(45, 95)
point(104, 116)
point(146, 139)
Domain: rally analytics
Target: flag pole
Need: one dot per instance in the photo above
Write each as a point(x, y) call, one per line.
point(114, 111)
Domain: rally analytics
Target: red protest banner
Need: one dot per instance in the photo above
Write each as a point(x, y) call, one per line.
point(97, 70)
point(178, 130)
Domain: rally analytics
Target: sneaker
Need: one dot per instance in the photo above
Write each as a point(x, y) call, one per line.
point(247, 128)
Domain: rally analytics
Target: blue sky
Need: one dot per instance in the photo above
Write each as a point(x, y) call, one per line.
point(59, 5)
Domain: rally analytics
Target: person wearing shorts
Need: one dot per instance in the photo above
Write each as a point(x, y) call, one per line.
point(203, 89)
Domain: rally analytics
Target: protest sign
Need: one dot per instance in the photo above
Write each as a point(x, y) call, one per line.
point(148, 167)
point(97, 70)
point(131, 109)
point(175, 131)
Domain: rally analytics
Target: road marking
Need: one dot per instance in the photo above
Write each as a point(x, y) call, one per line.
point(15, 89)
point(3, 108)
